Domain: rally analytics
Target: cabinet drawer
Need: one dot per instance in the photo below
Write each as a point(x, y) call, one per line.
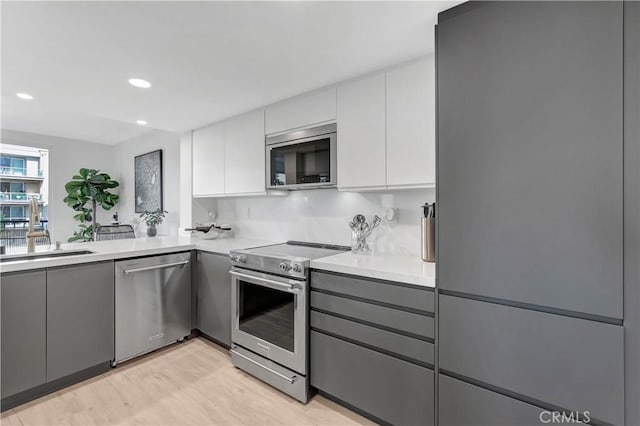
point(461, 403)
point(390, 389)
point(374, 290)
point(415, 349)
point(571, 363)
point(379, 315)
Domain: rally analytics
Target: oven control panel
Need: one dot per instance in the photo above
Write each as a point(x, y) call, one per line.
point(288, 267)
point(270, 264)
point(240, 258)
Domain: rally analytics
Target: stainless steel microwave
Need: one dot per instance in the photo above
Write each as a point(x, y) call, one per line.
point(302, 159)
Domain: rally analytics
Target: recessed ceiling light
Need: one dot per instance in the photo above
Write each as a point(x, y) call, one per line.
point(138, 82)
point(25, 96)
point(141, 122)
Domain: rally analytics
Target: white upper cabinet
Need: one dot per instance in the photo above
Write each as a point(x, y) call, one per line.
point(361, 133)
point(386, 135)
point(208, 166)
point(386, 129)
point(411, 124)
point(244, 154)
point(305, 110)
point(228, 157)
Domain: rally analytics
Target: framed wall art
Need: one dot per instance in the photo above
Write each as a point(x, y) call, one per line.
point(148, 181)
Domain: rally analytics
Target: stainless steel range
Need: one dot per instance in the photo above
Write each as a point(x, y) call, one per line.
point(269, 295)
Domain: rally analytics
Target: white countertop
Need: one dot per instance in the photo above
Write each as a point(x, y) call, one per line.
point(393, 267)
point(385, 266)
point(119, 249)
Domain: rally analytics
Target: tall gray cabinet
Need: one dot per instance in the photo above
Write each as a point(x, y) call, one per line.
point(531, 230)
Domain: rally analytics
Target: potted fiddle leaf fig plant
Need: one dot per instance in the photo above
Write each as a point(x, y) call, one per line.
point(153, 219)
point(87, 191)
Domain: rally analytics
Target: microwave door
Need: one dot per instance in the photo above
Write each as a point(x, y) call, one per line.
point(300, 164)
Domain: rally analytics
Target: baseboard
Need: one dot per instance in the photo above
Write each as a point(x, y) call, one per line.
point(53, 386)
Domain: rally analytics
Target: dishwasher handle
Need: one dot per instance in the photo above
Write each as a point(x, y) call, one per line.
point(150, 268)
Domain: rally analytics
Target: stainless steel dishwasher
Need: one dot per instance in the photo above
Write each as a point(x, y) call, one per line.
point(153, 303)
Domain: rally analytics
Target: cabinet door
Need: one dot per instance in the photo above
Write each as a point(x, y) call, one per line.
point(411, 133)
point(302, 111)
point(244, 154)
point(565, 362)
point(393, 390)
point(361, 133)
point(214, 297)
point(461, 403)
point(208, 161)
point(23, 331)
point(80, 318)
point(530, 156)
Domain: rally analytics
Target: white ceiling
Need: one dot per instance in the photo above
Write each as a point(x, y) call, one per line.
point(206, 60)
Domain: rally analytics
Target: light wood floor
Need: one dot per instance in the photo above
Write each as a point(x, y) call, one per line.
point(193, 383)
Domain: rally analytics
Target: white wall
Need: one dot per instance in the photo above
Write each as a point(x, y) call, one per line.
point(66, 157)
point(124, 154)
point(323, 215)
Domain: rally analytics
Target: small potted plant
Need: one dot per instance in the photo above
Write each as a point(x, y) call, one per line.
point(153, 219)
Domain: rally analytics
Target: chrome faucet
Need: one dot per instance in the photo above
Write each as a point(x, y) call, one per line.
point(34, 217)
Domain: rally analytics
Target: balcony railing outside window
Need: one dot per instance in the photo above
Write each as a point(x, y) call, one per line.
point(17, 171)
point(13, 233)
point(19, 196)
point(13, 171)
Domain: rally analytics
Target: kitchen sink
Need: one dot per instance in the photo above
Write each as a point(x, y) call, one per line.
point(42, 255)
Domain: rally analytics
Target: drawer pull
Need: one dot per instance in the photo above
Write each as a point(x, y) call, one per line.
point(270, 370)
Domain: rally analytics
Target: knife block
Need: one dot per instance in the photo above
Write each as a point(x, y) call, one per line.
point(428, 239)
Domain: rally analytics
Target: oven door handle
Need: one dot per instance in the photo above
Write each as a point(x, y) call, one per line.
point(292, 288)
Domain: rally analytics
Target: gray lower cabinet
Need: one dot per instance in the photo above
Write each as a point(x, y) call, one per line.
point(416, 350)
point(23, 330)
point(372, 346)
point(566, 362)
point(80, 318)
point(463, 404)
point(386, 387)
point(376, 290)
point(400, 320)
point(213, 316)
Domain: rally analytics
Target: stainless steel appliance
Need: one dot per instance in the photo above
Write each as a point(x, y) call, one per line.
point(302, 159)
point(153, 303)
point(269, 293)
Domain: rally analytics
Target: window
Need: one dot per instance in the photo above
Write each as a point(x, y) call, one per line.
point(14, 212)
point(13, 166)
point(23, 176)
point(12, 187)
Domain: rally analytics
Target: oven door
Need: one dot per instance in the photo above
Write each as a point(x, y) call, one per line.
point(270, 317)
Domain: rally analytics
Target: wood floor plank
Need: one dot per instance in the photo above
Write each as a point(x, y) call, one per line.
point(193, 383)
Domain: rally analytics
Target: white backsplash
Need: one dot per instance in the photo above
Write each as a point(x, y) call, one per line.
point(323, 215)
